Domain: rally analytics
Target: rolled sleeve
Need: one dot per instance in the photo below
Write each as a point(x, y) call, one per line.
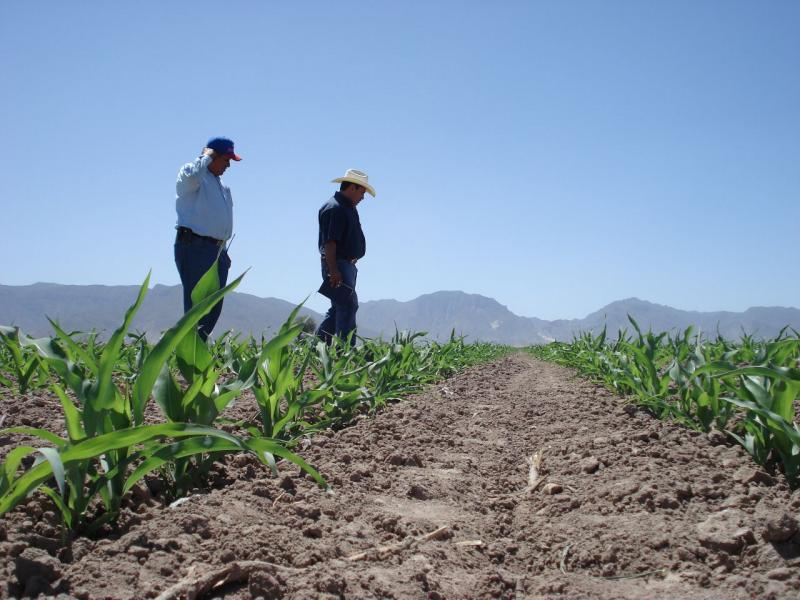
point(189, 175)
point(332, 225)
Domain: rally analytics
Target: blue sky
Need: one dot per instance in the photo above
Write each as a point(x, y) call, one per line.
point(553, 155)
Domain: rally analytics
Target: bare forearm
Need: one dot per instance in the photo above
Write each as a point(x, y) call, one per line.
point(330, 256)
point(330, 262)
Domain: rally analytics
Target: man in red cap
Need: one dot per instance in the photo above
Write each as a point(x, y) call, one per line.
point(205, 222)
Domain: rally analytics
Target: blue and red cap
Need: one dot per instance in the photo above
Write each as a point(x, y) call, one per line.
point(223, 146)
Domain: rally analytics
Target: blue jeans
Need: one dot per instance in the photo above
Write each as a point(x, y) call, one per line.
point(341, 317)
point(193, 258)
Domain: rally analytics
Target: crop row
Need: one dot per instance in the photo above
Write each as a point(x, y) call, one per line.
point(299, 384)
point(748, 389)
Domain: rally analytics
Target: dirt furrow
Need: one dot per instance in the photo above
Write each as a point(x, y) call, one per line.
point(435, 498)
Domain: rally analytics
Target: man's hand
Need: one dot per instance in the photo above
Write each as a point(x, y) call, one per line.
point(334, 275)
point(335, 279)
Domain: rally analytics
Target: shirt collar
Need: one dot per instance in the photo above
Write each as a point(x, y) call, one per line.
point(343, 200)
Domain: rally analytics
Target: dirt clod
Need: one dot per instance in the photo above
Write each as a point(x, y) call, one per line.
point(590, 464)
point(33, 562)
point(419, 492)
point(552, 488)
point(724, 530)
point(749, 474)
point(779, 528)
point(405, 460)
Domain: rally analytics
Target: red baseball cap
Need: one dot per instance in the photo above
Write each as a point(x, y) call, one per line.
point(223, 146)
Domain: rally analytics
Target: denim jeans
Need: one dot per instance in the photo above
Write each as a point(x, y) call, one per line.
point(341, 317)
point(193, 258)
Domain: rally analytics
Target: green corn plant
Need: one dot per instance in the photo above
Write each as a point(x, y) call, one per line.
point(20, 363)
point(132, 355)
point(106, 431)
point(693, 388)
point(281, 397)
point(698, 390)
point(747, 389)
point(768, 394)
point(643, 367)
point(342, 371)
point(5, 363)
point(230, 354)
point(276, 379)
point(69, 460)
point(347, 379)
point(104, 390)
point(102, 409)
point(456, 355)
point(402, 370)
point(204, 397)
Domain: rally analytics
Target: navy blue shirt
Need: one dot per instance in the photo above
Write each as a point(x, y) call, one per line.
point(339, 222)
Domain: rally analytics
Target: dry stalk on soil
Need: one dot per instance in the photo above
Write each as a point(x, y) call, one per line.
point(535, 478)
point(191, 588)
point(534, 471)
point(384, 551)
point(469, 543)
point(281, 495)
point(530, 490)
point(563, 564)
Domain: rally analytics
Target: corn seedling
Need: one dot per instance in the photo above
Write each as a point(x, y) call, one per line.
point(747, 389)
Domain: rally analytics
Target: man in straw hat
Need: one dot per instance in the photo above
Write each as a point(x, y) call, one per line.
point(205, 222)
point(341, 244)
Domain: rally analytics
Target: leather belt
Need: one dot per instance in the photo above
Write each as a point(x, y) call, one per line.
point(352, 260)
point(185, 234)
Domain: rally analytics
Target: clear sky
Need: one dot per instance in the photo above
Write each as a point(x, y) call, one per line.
point(553, 155)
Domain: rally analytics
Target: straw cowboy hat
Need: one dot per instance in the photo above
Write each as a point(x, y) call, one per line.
point(357, 177)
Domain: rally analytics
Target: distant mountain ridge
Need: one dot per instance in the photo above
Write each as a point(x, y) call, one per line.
point(477, 317)
point(482, 318)
point(102, 308)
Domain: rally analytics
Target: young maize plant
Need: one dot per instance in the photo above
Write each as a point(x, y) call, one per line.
point(340, 372)
point(19, 362)
point(767, 393)
point(347, 380)
point(300, 386)
point(278, 388)
point(748, 390)
point(403, 369)
point(204, 397)
point(109, 447)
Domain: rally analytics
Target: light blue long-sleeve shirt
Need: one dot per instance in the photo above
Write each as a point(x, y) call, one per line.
point(203, 203)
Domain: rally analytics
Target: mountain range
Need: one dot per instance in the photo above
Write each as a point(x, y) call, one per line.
point(102, 308)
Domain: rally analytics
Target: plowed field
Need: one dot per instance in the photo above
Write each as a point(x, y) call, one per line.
point(435, 498)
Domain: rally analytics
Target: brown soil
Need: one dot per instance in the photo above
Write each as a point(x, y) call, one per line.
point(433, 499)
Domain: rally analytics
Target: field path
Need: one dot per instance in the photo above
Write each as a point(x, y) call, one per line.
point(433, 499)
